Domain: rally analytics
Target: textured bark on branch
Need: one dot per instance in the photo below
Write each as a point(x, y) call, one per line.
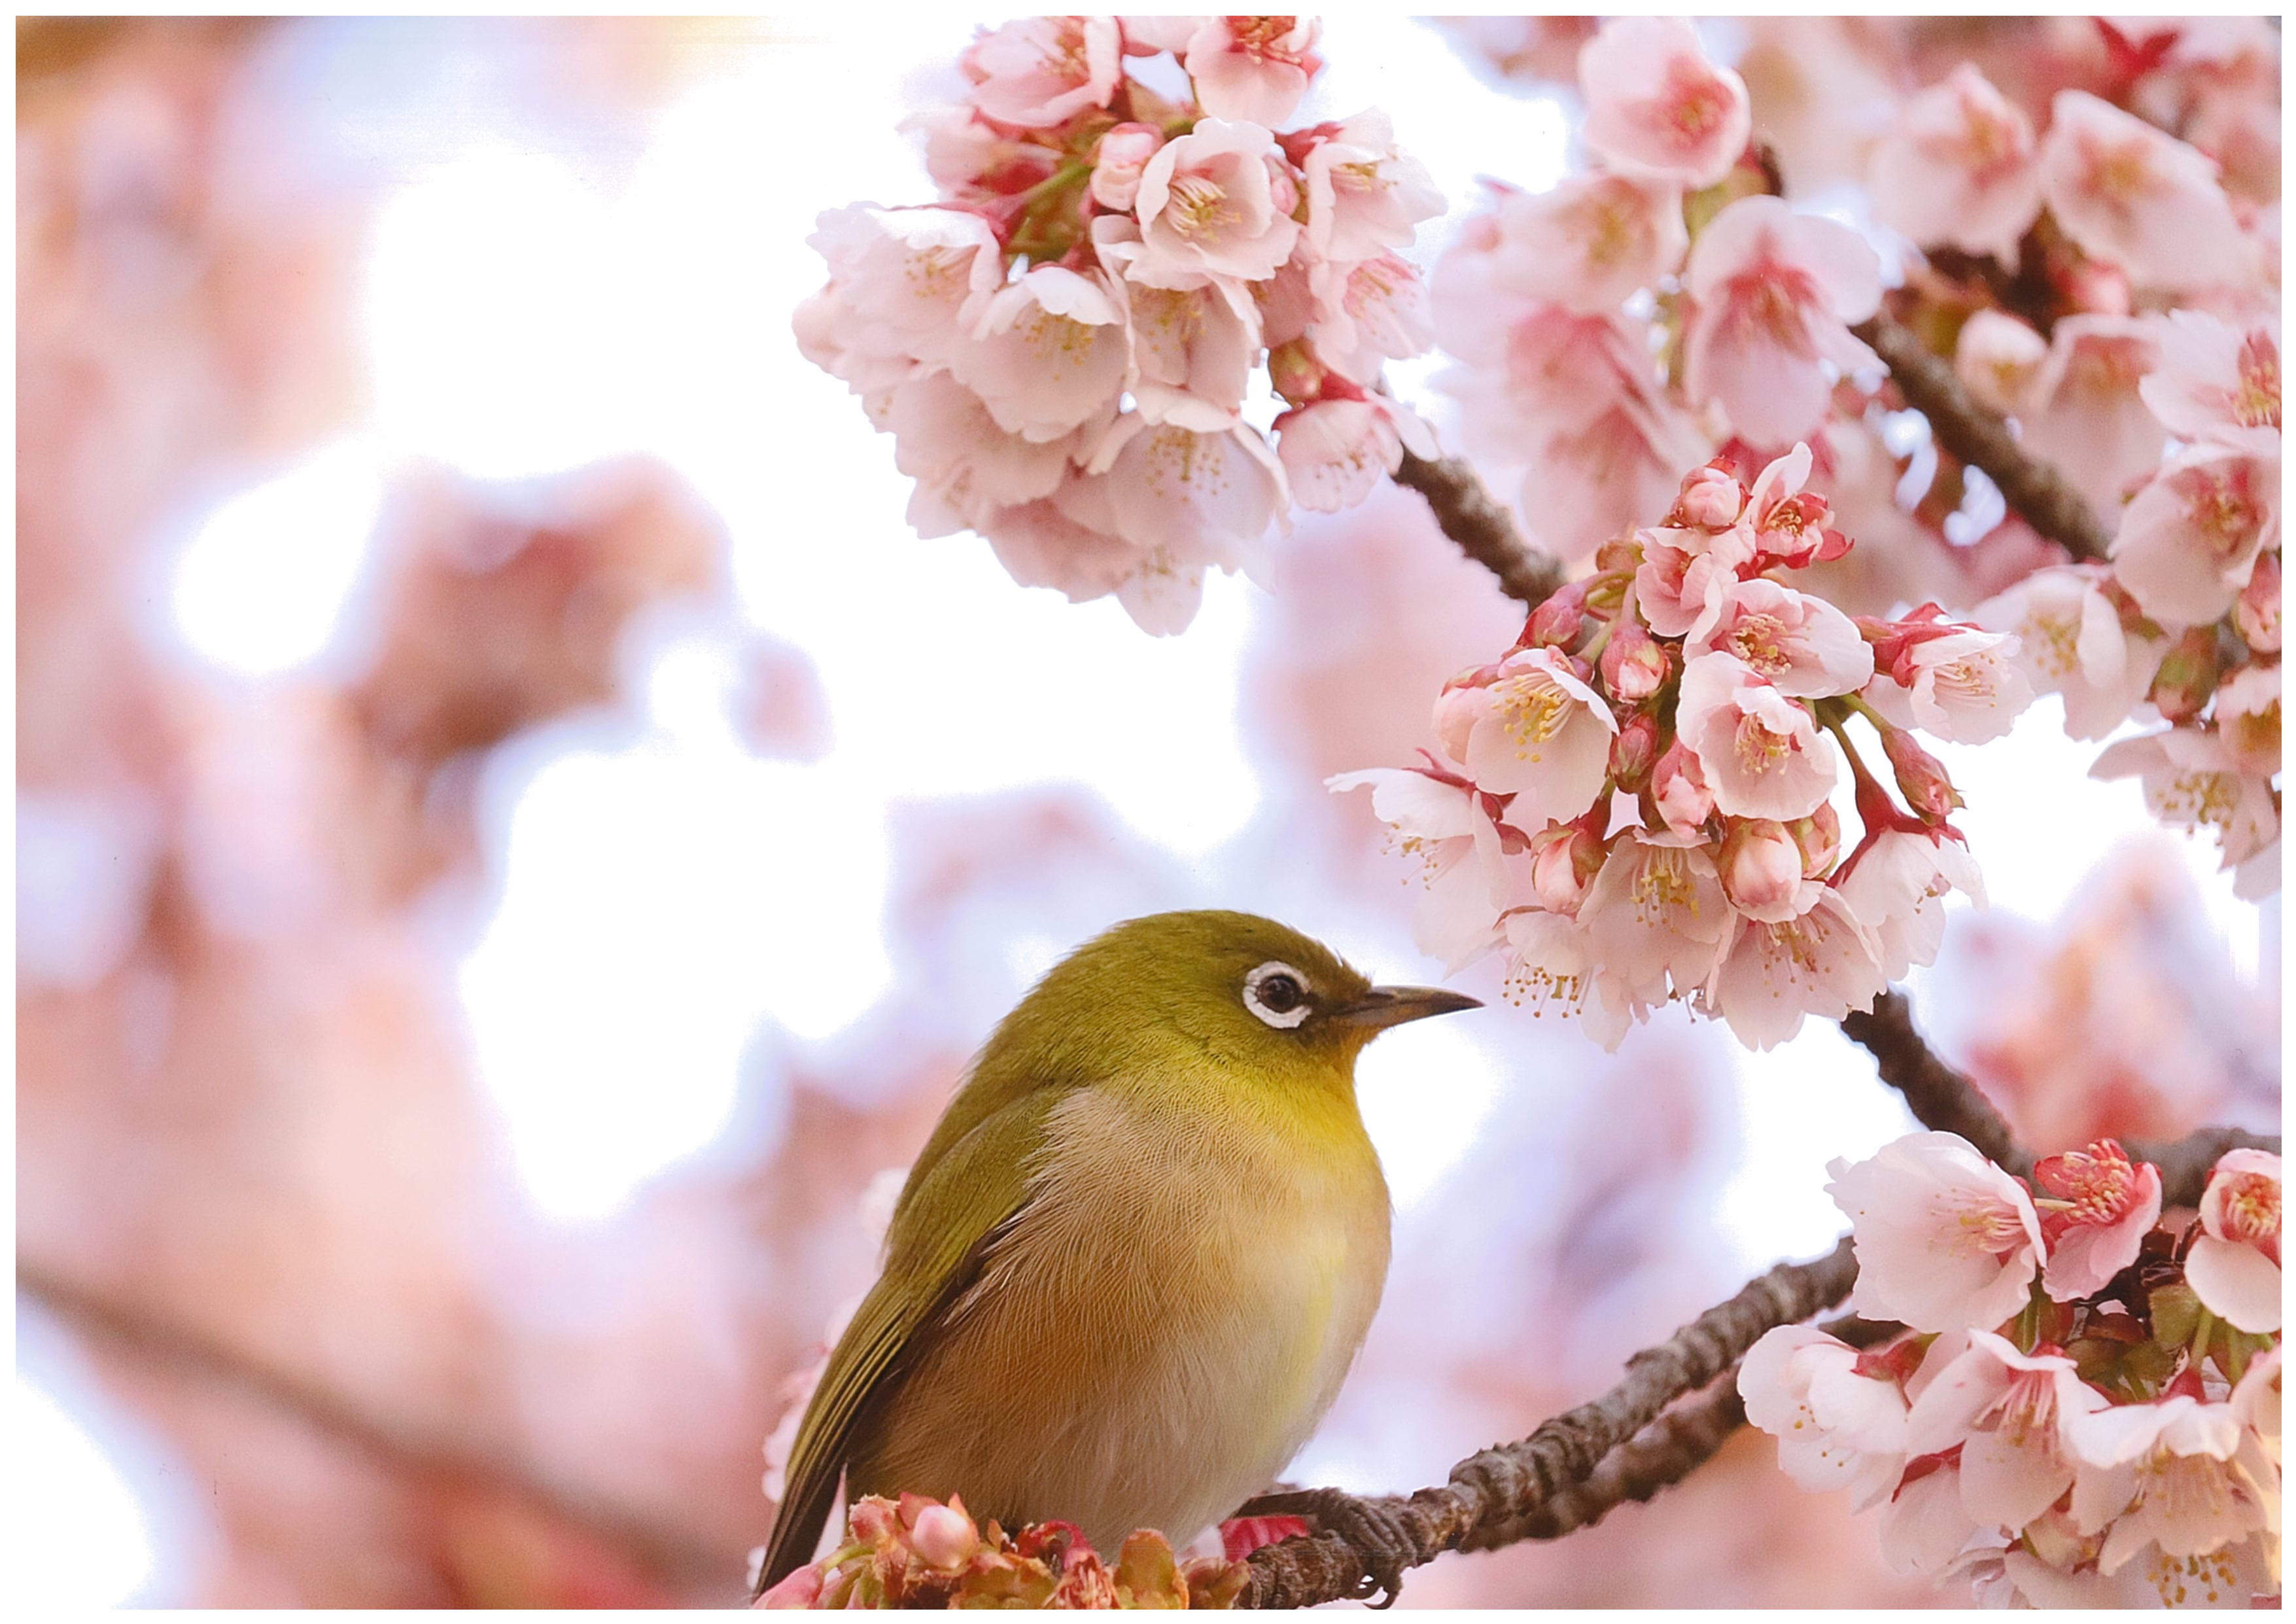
point(1941, 1098)
point(2041, 495)
point(1517, 1482)
point(1471, 516)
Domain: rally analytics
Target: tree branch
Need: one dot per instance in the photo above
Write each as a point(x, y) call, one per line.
point(1482, 525)
point(1941, 1098)
point(2185, 1163)
point(2032, 489)
point(158, 1341)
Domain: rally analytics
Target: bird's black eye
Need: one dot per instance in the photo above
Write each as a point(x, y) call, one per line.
point(1279, 994)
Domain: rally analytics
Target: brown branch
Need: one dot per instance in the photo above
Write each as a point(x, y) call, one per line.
point(2185, 1163)
point(1482, 525)
point(1517, 1482)
point(2032, 489)
point(1941, 1099)
point(163, 1342)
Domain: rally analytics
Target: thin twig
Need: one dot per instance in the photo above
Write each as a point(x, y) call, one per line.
point(2032, 489)
point(165, 1343)
point(1940, 1098)
point(1471, 516)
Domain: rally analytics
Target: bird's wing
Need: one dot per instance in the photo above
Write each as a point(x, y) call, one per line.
point(933, 1253)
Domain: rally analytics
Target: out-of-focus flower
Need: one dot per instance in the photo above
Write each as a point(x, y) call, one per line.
point(2217, 382)
point(2193, 780)
point(1775, 294)
point(1335, 450)
point(2235, 1265)
point(1958, 167)
point(1945, 1240)
point(1997, 358)
point(1655, 105)
point(2127, 192)
point(1591, 242)
point(2082, 410)
point(2072, 640)
point(2098, 1207)
point(1837, 1425)
point(1252, 67)
point(1040, 71)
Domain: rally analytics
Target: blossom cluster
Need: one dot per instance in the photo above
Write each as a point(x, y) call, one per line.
point(1636, 801)
point(2085, 1406)
point(917, 1552)
point(1063, 346)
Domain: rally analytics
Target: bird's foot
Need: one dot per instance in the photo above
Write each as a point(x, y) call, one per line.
point(1374, 1528)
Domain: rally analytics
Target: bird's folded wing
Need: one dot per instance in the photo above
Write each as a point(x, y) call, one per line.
point(940, 1235)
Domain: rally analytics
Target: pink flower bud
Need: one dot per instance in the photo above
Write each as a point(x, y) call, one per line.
point(799, 1589)
point(1564, 859)
point(1679, 787)
point(1296, 373)
point(1556, 621)
point(1283, 189)
point(2256, 612)
point(2188, 677)
point(1117, 162)
point(1761, 866)
point(1712, 498)
point(1635, 664)
point(1921, 777)
point(1635, 753)
point(1621, 555)
point(1819, 836)
point(944, 1537)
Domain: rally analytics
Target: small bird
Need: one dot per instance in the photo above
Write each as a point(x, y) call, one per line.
point(1136, 1257)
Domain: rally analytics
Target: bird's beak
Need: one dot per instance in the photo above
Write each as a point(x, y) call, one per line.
point(1385, 1006)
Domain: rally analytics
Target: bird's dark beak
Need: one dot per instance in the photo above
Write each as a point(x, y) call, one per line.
point(1385, 1006)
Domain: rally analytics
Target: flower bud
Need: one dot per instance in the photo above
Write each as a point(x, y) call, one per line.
point(1296, 373)
point(1635, 664)
point(1557, 620)
point(1921, 777)
point(1819, 837)
point(1679, 787)
point(944, 1537)
point(1564, 859)
point(1712, 499)
point(1996, 358)
point(1761, 866)
point(1633, 752)
point(1619, 555)
point(1117, 162)
point(2256, 612)
point(2188, 677)
point(1283, 189)
point(801, 1588)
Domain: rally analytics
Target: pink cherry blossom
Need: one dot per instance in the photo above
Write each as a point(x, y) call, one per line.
point(1118, 161)
point(1774, 291)
point(1252, 67)
point(1041, 72)
point(2006, 1411)
point(1945, 1240)
point(1532, 728)
point(2235, 1265)
point(1046, 543)
point(1895, 885)
point(1591, 242)
point(1207, 208)
point(1656, 913)
point(1146, 36)
point(1555, 970)
point(2190, 538)
point(1997, 359)
point(902, 283)
point(2180, 1473)
point(2248, 719)
point(1366, 314)
point(1688, 576)
point(1821, 961)
point(1762, 870)
point(1191, 347)
point(1337, 451)
point(1466, 876)
point(1759, 751)
point(1206, 496)
point(2193, 780)
point(2127, 192)
point(1791, 526)
point(1958, 167)
point(965, 465)
point(2083, 411)
point(1564, 859)
point(1925, 1528)
point(2217, 382)
point(1679, 787)
point(2070, 642)
point(1364, 197)
point(1801, 646)
point(1049, 353)
point(2098, 1209)
point(972, 160)
point(2255, 614)
point(1961, 683)
point(1655, 105)
point(1837, 1426)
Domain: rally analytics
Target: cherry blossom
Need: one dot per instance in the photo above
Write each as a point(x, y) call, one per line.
point(1366, 314)
point(1335, 450)
point(1820, 962)
point(1463, 846)
point(1762, 870)
point(1656, 106)
point(1207, 208)
point(1895, 885)
point(1958, 682)
point(1041, 72)
point(1554, 971)
point(1688, 576)
point(1998, 357)
point(966, 465)
point(1191, 347)
point(2098, 1207)
point(1206, 495)
point(1119, 161)
point(1049, 353)
point(2235, 1265)
point(901, 281)
point(2072, 641)
point(2190, 538)
point(1958, 167)
point(1945, 1240)
point(2193, 780)
point(1591, 242)
point(1837, 1425)
point(1364, 197)
point(1801, 646)
point(2248, 719)
point(2217, 382)
point(2083, 411)
point(1254, 68)
point(1656, 913)
point(1774, 291)
point(2180, 1473)
point(2142, 200)
point(1530, 727)
point(1759, 751)
point(2006, 1411)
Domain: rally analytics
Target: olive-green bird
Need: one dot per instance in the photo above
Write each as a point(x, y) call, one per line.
point(1137, 1255)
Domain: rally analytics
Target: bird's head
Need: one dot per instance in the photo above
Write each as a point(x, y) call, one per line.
point(1249, 990)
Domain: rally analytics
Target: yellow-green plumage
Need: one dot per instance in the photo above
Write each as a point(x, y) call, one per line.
point(1133, 1261)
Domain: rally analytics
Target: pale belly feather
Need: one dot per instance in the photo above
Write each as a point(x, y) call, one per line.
point(1146, 1353)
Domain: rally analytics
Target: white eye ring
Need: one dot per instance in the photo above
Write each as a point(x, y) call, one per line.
point(1282, 1019)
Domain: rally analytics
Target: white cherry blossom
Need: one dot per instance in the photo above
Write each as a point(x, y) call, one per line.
point(1836, 1426)
point(1466, 876)
point(2006, 1411)
point(1820, 962)
point(1945, 1240)
point(1801, 646)
point(1531, 728)
point(2070, 642)
point(2234, 1266)
point(1760, 752)
point(1897, 886)
point(1364, 197)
